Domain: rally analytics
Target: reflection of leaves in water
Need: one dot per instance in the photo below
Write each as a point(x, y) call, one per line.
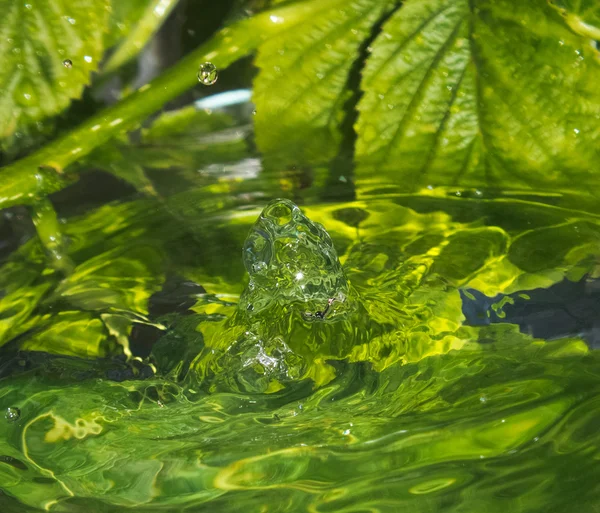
point(177, 147)
point(419, 433)
point(418, 416)
point(117, 268)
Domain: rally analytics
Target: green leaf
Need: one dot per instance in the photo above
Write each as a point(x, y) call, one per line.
point(35, 39)
point(480, 94)
point(123, 16)
point(144, 18)
point(301, 89)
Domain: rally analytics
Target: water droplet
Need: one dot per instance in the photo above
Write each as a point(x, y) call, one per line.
point(87, 58)
point(12, 414)
point(561, 42)
point(576, 131)
point(28, 7)
point(68, 63)
point(208, 74)
point(26, 95)
point(254, 112)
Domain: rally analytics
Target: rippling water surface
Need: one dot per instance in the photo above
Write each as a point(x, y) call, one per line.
point(418, 404)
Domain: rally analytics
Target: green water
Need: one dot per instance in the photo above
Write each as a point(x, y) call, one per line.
point(406, 406)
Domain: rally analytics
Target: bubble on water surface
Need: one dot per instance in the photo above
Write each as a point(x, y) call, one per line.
point(12, 414)
point(68, 63)
point(208, 74)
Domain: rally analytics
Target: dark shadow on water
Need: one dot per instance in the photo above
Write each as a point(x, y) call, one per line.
point(565, 309)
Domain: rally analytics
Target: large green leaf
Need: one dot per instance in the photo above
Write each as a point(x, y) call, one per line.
point(474, 94)
point(35, 39)
point(301, 89)
point(480, 94)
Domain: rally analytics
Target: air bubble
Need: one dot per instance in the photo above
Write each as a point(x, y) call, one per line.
point(68, 63)
point(208, 74)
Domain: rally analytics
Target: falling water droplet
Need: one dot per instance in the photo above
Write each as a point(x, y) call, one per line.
point(68, 63)
point(12, 414)
point(208, 73)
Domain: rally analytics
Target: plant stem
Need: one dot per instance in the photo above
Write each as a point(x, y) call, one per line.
point(150, 21)
point(39, 174)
